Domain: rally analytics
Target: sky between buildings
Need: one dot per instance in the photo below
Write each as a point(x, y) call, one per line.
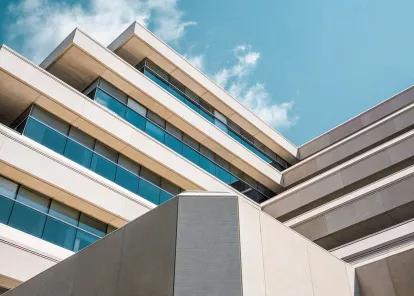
point(302, 66)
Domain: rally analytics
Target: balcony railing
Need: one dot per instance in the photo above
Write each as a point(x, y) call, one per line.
point(279, 164)
point(60, 143)
point(154, 130)
point(40, 224)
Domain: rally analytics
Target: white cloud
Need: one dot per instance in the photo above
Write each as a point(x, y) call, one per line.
point(41, 24)
point(197, 61)
point(253, 96)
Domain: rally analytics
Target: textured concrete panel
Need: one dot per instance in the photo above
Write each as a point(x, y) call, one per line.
point(402, 150)
point(208, 248)
point(104, 280)
point(29, 288)
point(60, 278)
point(148, 253)
point(314, 228)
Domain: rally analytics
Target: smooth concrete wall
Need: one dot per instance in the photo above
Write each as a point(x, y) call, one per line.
point(390, 275)
point(136, 43)
point(371, 202)
point(278, 261)
point(23, 256)
point(354, 144)
point(342, 177)
point(84, 50)
point(357, 123)
point(31, 164)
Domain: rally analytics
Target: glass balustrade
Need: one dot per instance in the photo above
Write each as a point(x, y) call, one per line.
point(210, 117)
point(97, 163)
point(35, 220)
point(160, 134)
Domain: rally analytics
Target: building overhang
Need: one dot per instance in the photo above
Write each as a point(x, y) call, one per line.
point(79, 60)
point(136, 43)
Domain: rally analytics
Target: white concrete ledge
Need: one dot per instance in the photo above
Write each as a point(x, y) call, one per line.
point(67, 62)
point(33, 165)
point(349, 172)
point(136, 42)
point(23, 256)
point(366, 137)
point(378, 244)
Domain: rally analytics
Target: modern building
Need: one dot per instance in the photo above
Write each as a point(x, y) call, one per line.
point(221, 204)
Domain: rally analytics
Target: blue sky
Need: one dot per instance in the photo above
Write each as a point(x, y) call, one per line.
point(303, 66)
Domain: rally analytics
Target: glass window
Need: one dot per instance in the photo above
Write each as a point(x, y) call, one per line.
point(112, 90)
point(173, 143)
point(137, 107)
point(81, 137)
point(192, 95)
point(128, 164)
point(63, 212)
point(249, 180)
point(177, 84)
point(110, 229)
point(222, 162)
point(135, 119)
point(56, 231)
point(220, 121)
point(127, 180)
point(50, 120)
point(207, 106)
point(206, 152)
point(92, 225)
point(27, 219)
point(83, 240)
point(223, 175)
point(8, 188)
point(106, 151)
point(33, 199)
point(191, 154)
point(149, 191)
point(233, 126)
point(207, 165)
point(150, 176)
point(109, 102)
point(174, 131)
point(91, 88)
point(78, 153)
point(103, 167)
point(191, 142)
point(170, 187)
point(155, 131)
point(45, 136)
point(6, 206)
point(156, 118)
point(165, 196)
point(157, 69)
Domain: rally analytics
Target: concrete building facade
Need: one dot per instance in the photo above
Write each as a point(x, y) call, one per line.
point(131, 154)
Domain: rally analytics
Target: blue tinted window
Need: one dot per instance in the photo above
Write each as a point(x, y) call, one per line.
point(109, 102)
point(223, 175)
point(156, 79)
point(8, 188)
point(27, 220)
point(45, 136)
point(59, 233)
point(92, 225)
point(207, 165)
point(135, 119)
point(6, 205)
point(173, 143)
point(149, 192)
point(127, 180)
point(83, 240)
point(78, 153)
point(207, 115)
point(165, 196)
point(191, 154)
point(155, 131)
point(192, 106)
point(103, 167)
